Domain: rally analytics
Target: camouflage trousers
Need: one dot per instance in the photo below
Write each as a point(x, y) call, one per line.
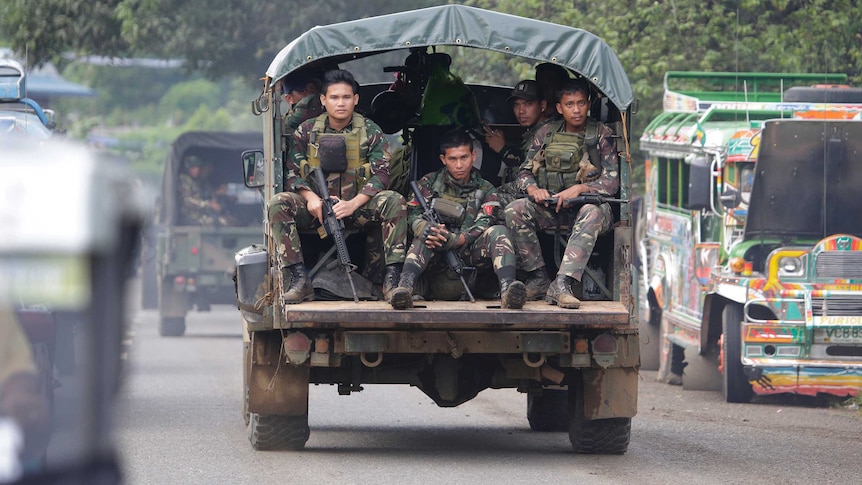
point(387, 209)
point(526, 218)
point(492, 249)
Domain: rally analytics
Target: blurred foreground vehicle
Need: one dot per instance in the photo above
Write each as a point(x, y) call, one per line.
point(21, 116)
point(67, 251)
point(577, 368)
point(187, 256)
point(751, 246)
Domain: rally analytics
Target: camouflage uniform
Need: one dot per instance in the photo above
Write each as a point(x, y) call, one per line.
point(526, 218)
point(305, 109)
point(487, 245)
point(288, 213)
point(513, 157)
point(195, 210)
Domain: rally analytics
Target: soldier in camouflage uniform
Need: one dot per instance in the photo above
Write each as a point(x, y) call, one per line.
point(358, 187)
point(529, 106)
point(198, 205)
point(304, 96)
point(555, 163)
point(479, 243)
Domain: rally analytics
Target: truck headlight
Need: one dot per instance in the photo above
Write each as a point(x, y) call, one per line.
point(790, 266)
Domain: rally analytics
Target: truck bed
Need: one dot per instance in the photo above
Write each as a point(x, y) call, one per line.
point(453, 315)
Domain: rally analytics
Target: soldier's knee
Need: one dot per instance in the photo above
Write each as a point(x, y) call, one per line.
point(515, 210)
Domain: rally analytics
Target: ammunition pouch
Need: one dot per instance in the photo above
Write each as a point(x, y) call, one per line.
point(450, 212)
point(332, 151)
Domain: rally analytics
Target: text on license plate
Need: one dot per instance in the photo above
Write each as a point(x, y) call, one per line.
point(838, 335)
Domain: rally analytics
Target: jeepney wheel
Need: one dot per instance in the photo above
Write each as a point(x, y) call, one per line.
point(734, 383)
point(609, 436)
point(172, 326)
point(272, 432)
point(548, 411)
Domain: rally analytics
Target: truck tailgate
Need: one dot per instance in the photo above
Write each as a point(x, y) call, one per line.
point(453, 315)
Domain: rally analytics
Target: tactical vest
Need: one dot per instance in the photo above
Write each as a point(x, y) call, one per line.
point(358, 170)
point(563, 151)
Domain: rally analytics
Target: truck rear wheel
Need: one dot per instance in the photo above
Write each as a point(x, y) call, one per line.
point(609, 436)
point(548, 411)
point(270, 432)
point(172, 326)
point(735, 385)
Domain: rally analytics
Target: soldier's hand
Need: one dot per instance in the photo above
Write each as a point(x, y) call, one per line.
point(571, 193)
point(538, 195)
point(214, 205)
point(494, 138)
point(315, 208)
point(437, 237)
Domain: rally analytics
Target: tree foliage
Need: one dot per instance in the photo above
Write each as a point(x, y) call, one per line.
point(240, 37)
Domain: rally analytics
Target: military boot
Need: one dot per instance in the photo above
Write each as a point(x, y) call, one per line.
point(513, 294)
point(560, 293)
point(537, 284)
point(401, 297)
point(390, 279)
point(299, 288)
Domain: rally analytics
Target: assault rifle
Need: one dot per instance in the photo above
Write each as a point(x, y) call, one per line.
point(588, 198)
point(452, 257)
point(334, 228)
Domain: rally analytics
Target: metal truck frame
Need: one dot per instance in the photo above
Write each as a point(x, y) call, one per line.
point(753, 300)
point(578, 368)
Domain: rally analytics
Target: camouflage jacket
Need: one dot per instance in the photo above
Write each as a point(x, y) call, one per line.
point(194, 199)
point(305, 109)
point(441, 184)
point(608, 183)
point(374, 150)
point(513, 155)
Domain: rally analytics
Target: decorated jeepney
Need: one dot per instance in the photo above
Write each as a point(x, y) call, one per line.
point(749, 239)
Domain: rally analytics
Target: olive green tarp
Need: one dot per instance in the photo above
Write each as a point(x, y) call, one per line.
point(457, 25)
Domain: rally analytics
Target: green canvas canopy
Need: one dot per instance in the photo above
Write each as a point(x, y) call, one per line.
point(457, 25)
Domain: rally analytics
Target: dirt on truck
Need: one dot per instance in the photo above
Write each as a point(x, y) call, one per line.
point(578, 369)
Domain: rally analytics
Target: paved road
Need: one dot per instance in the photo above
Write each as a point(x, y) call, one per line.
point(179, 421)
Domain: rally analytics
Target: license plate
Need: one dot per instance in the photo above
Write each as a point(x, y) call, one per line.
point(838, 335)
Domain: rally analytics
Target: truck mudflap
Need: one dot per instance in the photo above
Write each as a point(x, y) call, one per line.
point(452, 315)
point(610, 393)
point(275, 388)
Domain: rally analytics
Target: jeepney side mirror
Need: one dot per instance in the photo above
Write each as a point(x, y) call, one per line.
point(730, 198)
point(253, 168)
point(699, 183)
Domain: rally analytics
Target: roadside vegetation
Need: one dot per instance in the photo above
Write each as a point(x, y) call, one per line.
point(151, 106)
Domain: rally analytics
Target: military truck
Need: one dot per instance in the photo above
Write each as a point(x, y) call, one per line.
point(186, 264)
point(577, 368)
point(750, 257)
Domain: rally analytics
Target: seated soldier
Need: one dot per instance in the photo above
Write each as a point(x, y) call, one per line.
point(199, 205)
point(358, 187)
point(528, 104)
point(472, 235)
point(303, 94)
point(559, 163)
